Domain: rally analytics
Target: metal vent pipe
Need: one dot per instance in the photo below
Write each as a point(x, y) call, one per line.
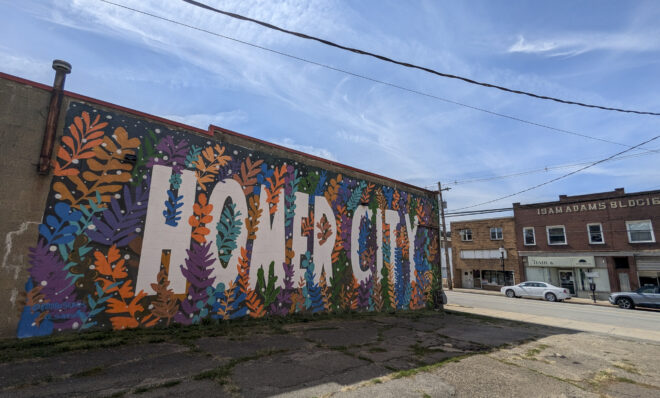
point(62, 68)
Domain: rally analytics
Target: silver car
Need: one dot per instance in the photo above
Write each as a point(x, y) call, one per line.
point(647, 296)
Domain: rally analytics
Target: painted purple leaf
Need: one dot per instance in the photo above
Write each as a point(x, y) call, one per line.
point(120, 226)
point(197, 271)
point(174, 155)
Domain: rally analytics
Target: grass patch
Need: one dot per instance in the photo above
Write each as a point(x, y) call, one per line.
point(222, 374)
point(420, 350)
point(626, 367)
point(428, 368)
point(533, 352)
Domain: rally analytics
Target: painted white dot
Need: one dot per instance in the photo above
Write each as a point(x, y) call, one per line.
point(53, 248)
point(122, 211)
point(208, 142)
point(173, 163)
point(165, 157)
point(127, 256)
point(118, 151)
point(235, 152)
point(104, 144)
point(34, 324)
point(151, 306)
point(118, 172)
point(130, 179)
point(114, 136)
point(139, 203)
point(157, 131)
point(117, 196)
point(189, 297)
point(58, 196)
point(92, 266)
point(75, 161)
point(144, 177)
point(44, 283)
point(75, 325)
point(108, 117)
point(229, 171)
point(191, 315)
point(160, 151)
point(138, 229)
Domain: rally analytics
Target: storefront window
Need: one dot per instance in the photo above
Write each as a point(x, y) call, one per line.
point(556, 235)
point(497, 278)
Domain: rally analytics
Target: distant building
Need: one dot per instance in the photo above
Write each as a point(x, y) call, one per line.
point(480, 249)
point(608, 238)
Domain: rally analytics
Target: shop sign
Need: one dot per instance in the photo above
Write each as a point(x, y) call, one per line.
point(602, 205)
point(568, 262)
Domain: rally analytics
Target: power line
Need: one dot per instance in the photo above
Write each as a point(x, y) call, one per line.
point(541, 170)
point(409, 65)
point(357, 75)
point(560, 177)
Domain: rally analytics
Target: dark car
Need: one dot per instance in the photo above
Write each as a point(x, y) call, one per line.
point(646, 296)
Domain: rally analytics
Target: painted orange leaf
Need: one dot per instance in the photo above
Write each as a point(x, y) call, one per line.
point(201, 216)
point(208, 164)
point(307, 225)
point(252, 220)
point(333, 189)
point(276, 185)
point(84, 135)
point(366, 194)
point(325, 230)
point(248, 174)
point(123, 322)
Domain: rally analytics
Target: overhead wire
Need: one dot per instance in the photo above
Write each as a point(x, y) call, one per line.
point(539, 170)
point(560, 177)
point(364, 77)
point(406, 64)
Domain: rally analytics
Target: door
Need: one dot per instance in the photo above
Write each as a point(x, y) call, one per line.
point(624, 281)
point(527, 289)
point(567, 281)
point(468, 280)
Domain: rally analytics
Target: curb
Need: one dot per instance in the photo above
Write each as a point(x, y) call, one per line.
point(600, 303)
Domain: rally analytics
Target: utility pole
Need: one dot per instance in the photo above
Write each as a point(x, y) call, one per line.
point(443, 242)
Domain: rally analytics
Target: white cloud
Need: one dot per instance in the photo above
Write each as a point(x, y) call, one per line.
point(581, 42)
point(308, 149)
point(203, 120)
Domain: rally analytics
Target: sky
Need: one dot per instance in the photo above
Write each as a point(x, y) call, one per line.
point(605, 52)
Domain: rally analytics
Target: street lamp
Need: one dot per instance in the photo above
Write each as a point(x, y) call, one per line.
point(502, 250)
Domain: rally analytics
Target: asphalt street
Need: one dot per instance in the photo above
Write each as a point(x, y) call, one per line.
point(610, 320)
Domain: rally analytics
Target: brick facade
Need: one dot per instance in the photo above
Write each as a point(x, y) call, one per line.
point(466, 269)
point(616, 254)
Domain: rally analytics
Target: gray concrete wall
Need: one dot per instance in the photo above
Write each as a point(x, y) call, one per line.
point(23, 110)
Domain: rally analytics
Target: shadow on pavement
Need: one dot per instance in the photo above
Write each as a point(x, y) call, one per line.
point(299, 359)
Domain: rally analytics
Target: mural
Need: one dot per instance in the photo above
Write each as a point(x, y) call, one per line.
point(149, 226)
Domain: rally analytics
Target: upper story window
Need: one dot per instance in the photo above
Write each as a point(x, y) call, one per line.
point(496, 233)
point(640, 231)
point(530, 238)
point(466, 234)
point(595, 233)
point(556, 235)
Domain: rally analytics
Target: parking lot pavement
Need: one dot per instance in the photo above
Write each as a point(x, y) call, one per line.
point(407, 354)
point(639, 324)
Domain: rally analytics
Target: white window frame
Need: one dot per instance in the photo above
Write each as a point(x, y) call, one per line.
point(501, 233)
point(602, 235)
point(547, 234)
point(533, 236)
point(640, 241)
point(463, 235)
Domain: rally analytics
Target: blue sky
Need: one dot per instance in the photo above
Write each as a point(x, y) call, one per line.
point(603, 52)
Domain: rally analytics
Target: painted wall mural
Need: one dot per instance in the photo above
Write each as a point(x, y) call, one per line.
point(149, 226)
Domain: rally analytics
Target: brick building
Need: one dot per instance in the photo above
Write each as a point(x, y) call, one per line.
point(479, 248)
point(607, 238)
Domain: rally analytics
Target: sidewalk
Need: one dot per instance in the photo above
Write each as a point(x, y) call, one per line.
point(574, 300)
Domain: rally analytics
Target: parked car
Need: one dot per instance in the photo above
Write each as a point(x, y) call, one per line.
point(537, 290)
point(647, 296)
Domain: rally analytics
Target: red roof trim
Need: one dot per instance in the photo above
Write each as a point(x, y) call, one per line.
point(208, 132)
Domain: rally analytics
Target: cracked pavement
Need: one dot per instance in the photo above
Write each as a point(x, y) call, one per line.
point(404, 355)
